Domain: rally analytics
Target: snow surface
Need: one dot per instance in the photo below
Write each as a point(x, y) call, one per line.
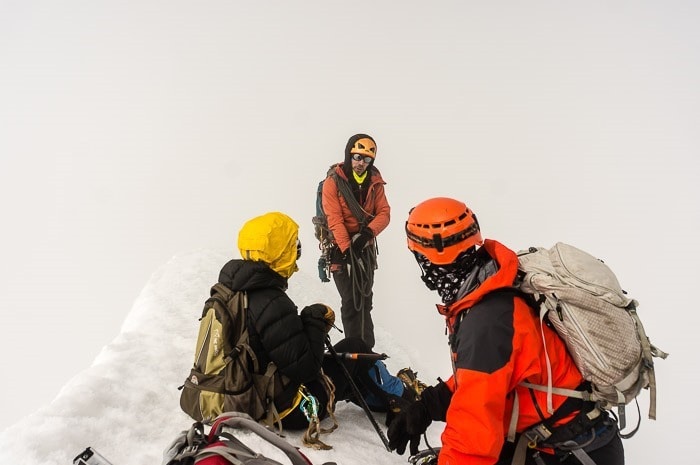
point(126, 405)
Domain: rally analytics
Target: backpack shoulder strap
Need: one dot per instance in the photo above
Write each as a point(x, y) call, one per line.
point(227, 294)
point(224, 296)
point(219, 288)
point(187, 445)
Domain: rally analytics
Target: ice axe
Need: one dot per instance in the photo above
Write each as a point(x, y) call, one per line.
point(358, 394)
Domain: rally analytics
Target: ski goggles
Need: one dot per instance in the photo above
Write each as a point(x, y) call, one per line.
point(358, 157)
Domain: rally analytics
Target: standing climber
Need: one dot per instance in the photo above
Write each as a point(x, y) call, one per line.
point(357, 210)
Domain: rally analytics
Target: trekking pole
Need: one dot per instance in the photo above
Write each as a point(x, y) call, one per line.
point(357, 356)
point(358, 395)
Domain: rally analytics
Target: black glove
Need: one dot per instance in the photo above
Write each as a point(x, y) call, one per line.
point(338, 257)
point(396, 406)
point(320, 312)
point(407, 427)
point(360, 240)
point(436, 400)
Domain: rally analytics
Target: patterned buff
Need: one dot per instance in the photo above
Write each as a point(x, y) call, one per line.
point(447, 280)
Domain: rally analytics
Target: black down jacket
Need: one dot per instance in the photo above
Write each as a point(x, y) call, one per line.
point(293, 341)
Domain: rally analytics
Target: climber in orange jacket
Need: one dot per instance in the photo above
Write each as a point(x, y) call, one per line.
point(497, 343)
point(353, 256)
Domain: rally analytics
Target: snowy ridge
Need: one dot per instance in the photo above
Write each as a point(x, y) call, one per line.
point(126, 404)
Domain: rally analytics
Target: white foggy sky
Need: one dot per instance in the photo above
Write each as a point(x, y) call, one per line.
point(132, 131)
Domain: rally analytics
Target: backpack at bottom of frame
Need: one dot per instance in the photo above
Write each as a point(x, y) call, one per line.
point(221, 447)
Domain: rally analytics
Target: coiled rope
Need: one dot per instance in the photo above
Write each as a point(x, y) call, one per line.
point(309, 405)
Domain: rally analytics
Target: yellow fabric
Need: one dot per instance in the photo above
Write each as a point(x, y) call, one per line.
point(360, 178)
point(210, 405)
point(295, 404)
point(211, 331)
point(272, 239)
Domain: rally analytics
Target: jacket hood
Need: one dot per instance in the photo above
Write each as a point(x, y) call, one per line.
point(245, 275)
point(271, 239)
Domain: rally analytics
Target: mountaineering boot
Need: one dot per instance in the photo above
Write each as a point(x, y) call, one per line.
point(411, 382)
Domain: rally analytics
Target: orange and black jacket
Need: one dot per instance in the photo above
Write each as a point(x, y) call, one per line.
point(341, 221)
point(497, 343)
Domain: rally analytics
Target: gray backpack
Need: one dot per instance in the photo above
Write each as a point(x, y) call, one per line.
point(221, 447)
point(582, 299)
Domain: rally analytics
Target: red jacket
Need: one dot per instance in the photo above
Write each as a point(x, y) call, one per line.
point(497, 344)
point(341, 221)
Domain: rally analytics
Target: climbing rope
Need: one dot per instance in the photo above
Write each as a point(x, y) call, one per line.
point(360, 269)
point(309, 405)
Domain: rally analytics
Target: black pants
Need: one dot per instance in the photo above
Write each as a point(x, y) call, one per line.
point(355, 289)
point(358, 371)
point(611, 453)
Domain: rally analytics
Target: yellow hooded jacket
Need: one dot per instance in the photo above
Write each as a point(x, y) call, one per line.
point(271, 238)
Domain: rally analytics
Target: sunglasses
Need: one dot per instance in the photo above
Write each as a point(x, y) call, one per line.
point(298, 249)
point(358, 157)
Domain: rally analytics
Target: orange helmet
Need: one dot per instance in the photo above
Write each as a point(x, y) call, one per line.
point(364, 146)
point(441, 229)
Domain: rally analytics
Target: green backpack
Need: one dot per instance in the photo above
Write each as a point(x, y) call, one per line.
point(226, 375)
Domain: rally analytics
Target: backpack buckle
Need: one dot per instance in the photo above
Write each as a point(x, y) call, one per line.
point(537, 434)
